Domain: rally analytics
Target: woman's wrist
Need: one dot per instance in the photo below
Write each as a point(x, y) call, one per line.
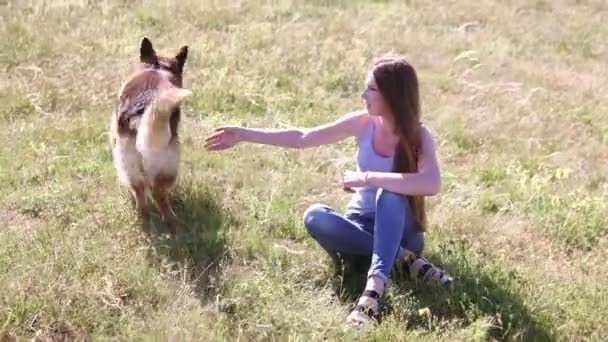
point(241, 134)
point(366, 178)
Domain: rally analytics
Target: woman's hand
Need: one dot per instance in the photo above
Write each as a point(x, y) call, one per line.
point(353, 179)
point(223, 138)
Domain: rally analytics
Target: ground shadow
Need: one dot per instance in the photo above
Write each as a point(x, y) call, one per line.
point(476, 292)
point(199, 245)
point(349, 278)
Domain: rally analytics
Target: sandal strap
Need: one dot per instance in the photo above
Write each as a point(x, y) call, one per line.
point(371, 294)
point(368, 303)
point(424, 271)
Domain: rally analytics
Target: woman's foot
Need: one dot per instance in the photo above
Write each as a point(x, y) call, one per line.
point(367, 308)
point(424, 271)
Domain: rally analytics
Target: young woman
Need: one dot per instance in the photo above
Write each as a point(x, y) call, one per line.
point(396, 168)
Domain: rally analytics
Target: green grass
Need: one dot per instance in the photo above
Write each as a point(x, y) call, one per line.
point(513, 91)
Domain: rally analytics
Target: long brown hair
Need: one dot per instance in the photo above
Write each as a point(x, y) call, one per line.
point(398, 84)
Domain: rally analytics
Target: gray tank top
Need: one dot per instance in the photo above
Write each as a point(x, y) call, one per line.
point(364, 199)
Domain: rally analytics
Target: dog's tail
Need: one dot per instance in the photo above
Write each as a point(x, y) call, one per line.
point(153, 128)
point(168, 99)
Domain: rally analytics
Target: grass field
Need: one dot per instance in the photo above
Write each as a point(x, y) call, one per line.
point(514, 91)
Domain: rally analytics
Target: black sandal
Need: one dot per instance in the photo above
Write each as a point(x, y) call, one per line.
point(366, 310)
point(424, 271)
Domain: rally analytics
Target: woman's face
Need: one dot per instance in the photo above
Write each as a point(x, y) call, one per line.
point(372, 97)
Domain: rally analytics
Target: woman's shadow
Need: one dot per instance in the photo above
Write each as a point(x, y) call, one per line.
point(476, 293)
point(198, 247)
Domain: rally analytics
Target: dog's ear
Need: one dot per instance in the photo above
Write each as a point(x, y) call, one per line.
point(147, 53)
point(181, 57)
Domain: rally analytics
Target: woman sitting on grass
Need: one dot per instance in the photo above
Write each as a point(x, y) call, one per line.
point(396, 168)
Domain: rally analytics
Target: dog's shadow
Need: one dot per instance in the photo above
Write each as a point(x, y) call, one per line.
point(198, 247)
point(476, 294)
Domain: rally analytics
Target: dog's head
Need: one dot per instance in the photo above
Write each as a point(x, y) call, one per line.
point(172, 64)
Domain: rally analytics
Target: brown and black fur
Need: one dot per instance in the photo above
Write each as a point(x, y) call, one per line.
point(151, 94)
point(143, 78)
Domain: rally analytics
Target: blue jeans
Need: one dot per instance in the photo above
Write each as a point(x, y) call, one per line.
point(377, 235)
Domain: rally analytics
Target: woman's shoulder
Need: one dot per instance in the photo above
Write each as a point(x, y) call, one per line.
point(360, 120)
point(425, 129)
point(426, 137)
point(362, 116)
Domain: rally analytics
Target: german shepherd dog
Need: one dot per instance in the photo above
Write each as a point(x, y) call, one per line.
point(143, 132)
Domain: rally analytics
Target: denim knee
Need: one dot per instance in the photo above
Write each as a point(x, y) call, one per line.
point(392, 199)
point(315, 218)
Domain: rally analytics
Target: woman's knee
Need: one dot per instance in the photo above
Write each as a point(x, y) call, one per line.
point(317, 217)
point(390, 197)
point(392, 201)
